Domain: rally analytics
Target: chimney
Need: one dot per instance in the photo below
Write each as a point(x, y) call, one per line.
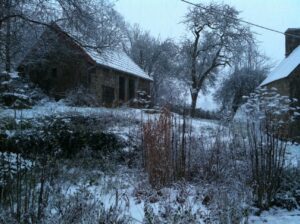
point(291, 42)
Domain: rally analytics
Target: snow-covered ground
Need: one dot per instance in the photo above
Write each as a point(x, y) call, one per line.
point(277, 216)
point(56, 108)
point(121, 186)
point(126, 190)
point(293, 154)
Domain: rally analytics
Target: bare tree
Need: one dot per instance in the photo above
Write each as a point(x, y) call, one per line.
point(92, 24)
point(238, 84)
point(216, 33)
point(158, 58)
point(249, 69)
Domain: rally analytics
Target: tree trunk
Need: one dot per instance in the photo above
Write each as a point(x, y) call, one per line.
point(194, 96)
point(194, 91)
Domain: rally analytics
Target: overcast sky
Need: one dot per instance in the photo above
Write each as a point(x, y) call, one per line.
point(162, 18)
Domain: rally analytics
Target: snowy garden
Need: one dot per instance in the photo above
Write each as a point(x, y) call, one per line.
point(66, 164)
point(103, 121)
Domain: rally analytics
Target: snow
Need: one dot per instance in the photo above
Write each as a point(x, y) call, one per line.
point(57, 108)
point(6, 82)
point(120, 188)
point(104, 189)
point(11, 163)
point(118, 60)
point(13, 159)
point(277, 216)
point(285, 68)
point(293, 155)
point(14, 75)
point(18, 95)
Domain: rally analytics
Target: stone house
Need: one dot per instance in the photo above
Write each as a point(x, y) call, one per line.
point(286, 76)
point(58, 64)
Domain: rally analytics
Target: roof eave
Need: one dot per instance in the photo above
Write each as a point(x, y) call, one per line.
point(128, 73)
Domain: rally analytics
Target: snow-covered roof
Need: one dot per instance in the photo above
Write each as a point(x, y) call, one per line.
point(285, 68)
point(118, 60)
point(114, 59)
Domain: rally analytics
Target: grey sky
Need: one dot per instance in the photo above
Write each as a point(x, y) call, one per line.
point(162, 18)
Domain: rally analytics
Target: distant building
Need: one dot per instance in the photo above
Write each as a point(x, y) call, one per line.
point(58, 64)
point(286, 76)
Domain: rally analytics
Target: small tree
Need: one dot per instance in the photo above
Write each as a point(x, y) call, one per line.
point(249, 69)
point(156, 57)
point(240, 83)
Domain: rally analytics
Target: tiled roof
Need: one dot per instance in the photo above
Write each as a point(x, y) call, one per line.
point(114, 59)
point(118, 60)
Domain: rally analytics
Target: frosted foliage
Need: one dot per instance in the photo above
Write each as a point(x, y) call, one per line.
point(268, 106)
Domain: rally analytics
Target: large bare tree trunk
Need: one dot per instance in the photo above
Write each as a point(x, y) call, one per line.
point(194, 92)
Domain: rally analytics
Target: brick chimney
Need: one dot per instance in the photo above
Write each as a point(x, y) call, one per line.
point(291, 42)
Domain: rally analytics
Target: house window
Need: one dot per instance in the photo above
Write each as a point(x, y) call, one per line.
point(108, 95)
point(121, 88)
point(131, 89)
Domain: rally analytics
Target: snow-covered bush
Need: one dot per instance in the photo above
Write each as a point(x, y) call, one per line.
point(82, 207)
point(271, 112)
point(143, 100)
point(288, 196)
point(269, 117)
point(230, 202)
point(64, 136)
point(34, 194)
point(23, 197)
point(18, 92)
point(81, 96)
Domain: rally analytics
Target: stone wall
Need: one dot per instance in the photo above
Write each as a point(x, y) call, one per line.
point(282, 86)
point(290, 86)
point(107, 80)
point(56, 65)
point(295, 93)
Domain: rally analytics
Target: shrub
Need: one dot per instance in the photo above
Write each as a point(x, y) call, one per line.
point(18, 92)
point(81, 96)
point(158, 149)
point(269, 116)
point(60, 135)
